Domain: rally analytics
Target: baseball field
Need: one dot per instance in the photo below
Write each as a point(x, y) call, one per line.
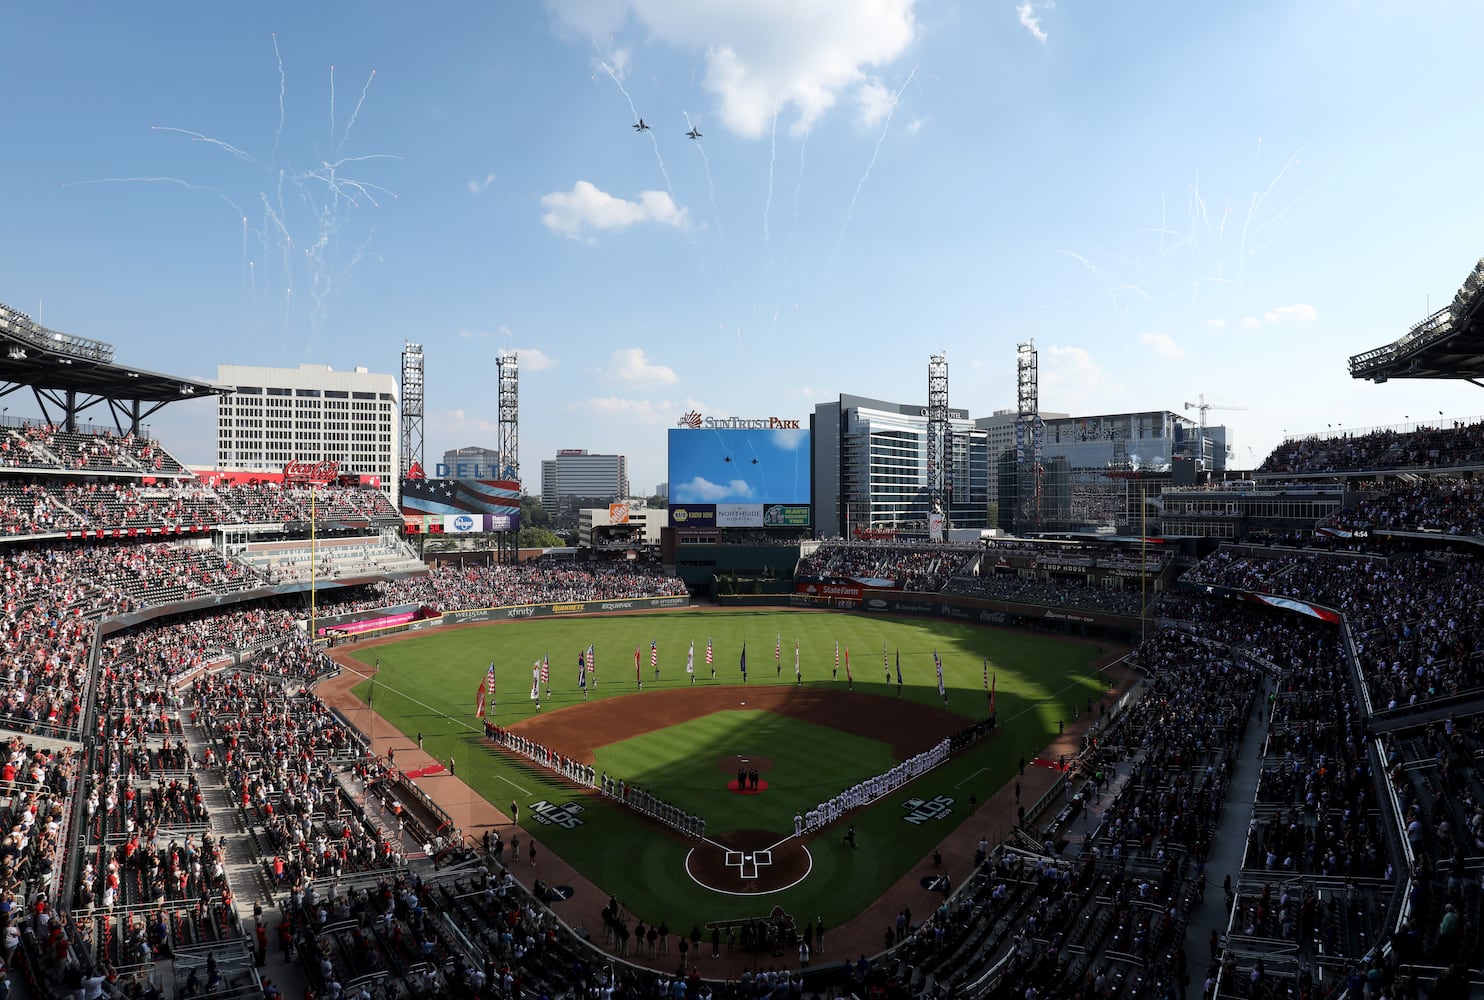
point(809, 734)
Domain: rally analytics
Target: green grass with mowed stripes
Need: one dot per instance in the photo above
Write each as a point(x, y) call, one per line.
point(426, 685)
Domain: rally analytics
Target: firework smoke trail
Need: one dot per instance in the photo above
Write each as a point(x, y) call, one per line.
point(354, 114)
point(635, 111)
point(798, 188)
point(198, 137)
point(332, 106)
point(283, 83)
point(1256, 203)
point(885, 127)
point(710, 186)
point(772, 156)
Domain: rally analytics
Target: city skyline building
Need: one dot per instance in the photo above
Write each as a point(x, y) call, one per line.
point(870, 466)
point(309, 414)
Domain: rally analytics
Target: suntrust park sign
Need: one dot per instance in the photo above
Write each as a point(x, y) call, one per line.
point(695, 421)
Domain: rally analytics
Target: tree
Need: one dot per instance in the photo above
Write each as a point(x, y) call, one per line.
point(533, 514)
point(657, 501)
point(532, 537)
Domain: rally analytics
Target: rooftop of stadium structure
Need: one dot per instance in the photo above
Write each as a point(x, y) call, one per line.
point(58, 367)
point(1447, 344)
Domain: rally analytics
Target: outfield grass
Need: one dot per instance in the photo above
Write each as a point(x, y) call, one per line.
point(427, 685)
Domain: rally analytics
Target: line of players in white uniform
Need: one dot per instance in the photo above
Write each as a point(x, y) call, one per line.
point(868, 791)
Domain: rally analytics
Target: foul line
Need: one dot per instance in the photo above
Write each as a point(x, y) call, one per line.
point(512, 784)
point(971, 777)
point(423, 704)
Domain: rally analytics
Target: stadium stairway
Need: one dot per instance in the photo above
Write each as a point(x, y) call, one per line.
point(250, 889)
point(1228, 845)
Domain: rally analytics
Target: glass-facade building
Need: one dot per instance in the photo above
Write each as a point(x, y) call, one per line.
point(871, 467)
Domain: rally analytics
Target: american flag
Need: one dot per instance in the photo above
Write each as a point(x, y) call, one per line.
point(654, 652)
point(848, 677)
point(545, 669)
point(592, 661)
point(778, 648)
point(708, 649)
point(486, 693)
point(885, 663)
point(942, 691)
point(837, 656)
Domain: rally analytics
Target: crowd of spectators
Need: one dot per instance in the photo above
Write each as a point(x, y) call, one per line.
point(148, 839)
point(922, 568)
point(1443, 505)
point(37, 505)
point(47, 447)
point(1053, 591)
point(1387, 448)
point(1415, 617)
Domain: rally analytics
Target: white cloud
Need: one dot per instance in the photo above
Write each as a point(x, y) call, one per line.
point(458, 423)
point(875, 102)
point(915, 125)
point(503, 330)
point(762, 56)
point(790, 440)
point(1162, 344)
point(473, 334)
point(1216, 324)
point(633, 411)
point(478, 186)
point(533, 359)
point(1072, 368)
point(630, 365)
point(1297, 313)
point(705, 491)
point(1029, 13)
point(585, 209)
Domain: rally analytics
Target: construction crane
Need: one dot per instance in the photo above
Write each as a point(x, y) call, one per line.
point(1203, 407)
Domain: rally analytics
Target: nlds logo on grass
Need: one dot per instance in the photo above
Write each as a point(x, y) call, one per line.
point(922, 810)
point(551, 814)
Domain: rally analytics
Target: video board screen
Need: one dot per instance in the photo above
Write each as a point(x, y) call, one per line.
point(726, 466)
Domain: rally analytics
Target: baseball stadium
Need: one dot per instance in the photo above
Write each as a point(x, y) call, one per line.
point(264, 736)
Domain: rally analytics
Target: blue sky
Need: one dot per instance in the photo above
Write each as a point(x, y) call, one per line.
point(738, 466)
point(1170, 198)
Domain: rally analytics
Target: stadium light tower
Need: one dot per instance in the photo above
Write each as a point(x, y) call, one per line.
point(1029, 435)
point(939, 453)
point(412, 409)
point(508, 367)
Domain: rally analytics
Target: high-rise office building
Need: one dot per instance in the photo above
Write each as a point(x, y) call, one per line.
point(311, 413)
point(576, 475)
point(871, 466)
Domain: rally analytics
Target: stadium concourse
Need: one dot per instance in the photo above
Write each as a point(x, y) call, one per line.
point(179, 797)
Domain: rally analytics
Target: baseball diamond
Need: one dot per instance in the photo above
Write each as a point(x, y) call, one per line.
point(824, 749)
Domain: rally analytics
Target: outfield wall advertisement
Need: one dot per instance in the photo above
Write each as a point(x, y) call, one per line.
point(740, 515)
point(563, 610)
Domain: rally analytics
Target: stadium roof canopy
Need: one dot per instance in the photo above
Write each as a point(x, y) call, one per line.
point(1447, 344)
point(69, 374)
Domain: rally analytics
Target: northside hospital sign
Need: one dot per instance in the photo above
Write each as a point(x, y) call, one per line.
point(694, 421)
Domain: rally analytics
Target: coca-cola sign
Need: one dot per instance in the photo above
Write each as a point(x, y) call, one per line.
point(311, 472)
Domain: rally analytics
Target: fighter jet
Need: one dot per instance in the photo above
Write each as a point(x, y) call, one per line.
point(639, 126)
point(693, 133)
